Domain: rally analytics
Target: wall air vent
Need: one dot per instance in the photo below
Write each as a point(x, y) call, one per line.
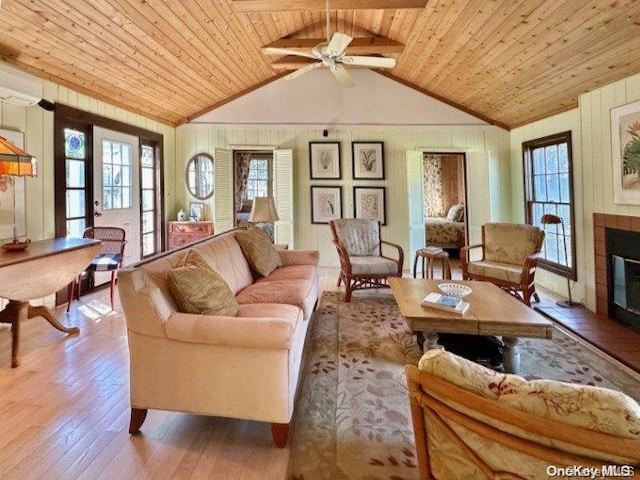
point(19, 88)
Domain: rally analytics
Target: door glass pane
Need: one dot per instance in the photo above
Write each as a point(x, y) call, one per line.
point(147, 156)
point(75, 228)
point(75, 173)
point(117, 175)
point(147, 222)
point(148, 244)
point(75, 203)
point(147, 178)
point(147, 200)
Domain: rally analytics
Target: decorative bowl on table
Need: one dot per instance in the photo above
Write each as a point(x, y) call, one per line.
point(455, 289)
point(16, 246)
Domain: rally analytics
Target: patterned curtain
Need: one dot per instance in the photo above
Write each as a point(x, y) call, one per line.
point(241, 162)
point(432, 186)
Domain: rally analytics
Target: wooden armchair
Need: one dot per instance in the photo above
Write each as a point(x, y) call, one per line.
point(362, 263)
point(509, 258)
point(472, 422)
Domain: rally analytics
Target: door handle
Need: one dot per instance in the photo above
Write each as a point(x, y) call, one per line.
point(96, 212)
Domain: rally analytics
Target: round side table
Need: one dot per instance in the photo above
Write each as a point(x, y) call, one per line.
point(429, 258)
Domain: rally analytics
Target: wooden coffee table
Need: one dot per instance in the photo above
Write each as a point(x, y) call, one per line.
point(492, 312)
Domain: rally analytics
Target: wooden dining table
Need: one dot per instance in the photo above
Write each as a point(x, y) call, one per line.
point(42, 269)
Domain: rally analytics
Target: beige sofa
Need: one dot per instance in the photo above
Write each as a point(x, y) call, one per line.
point(472, 422)
point(247, 366)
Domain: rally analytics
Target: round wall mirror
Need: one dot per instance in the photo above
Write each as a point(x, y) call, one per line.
point(199, 176)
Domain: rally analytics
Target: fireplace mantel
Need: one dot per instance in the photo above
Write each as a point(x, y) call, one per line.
point(602, 221)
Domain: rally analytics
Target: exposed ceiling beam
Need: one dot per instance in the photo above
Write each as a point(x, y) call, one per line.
point(358, 46)
point(251, 6)
point(292, 62)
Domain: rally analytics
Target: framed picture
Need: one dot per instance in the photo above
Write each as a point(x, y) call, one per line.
point(369, 202)
point(625, 139)
point(12, 195)
point(326, 204)
point(324, 160)
point(368, 160)
point(196, 211)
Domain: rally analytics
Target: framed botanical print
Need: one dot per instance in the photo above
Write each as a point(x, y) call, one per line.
point(369, 203)
point(326, 204)
point(625, 139)
point(324, 160)
point(368, 160)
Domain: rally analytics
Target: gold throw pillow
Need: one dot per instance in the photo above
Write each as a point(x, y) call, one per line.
point(197, 288)
point(261, 254)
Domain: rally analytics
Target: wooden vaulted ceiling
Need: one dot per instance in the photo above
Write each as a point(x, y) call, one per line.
point(507, 61)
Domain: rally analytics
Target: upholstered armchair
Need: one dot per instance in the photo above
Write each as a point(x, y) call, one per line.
point(362, 262)
point(472, 422)
point(509, 258)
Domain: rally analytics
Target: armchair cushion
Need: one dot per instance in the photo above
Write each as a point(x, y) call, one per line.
point(259, 251)
point(373, 266)
point(506, 272)
point(510, 243)
point(360, 237)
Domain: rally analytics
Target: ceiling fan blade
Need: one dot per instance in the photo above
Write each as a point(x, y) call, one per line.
point(339, 42)
point(303, 70)
point(380, 62)
point(343, 76)
point(286, 51)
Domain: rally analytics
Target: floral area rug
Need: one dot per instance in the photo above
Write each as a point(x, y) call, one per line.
point(352, 420)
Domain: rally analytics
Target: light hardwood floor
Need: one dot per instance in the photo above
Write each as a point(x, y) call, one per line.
point(64, 412)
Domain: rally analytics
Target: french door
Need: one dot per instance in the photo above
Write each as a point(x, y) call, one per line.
point(107, 174)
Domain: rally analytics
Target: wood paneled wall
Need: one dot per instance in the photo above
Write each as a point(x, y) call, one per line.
point(590, 125)
point(193, 138)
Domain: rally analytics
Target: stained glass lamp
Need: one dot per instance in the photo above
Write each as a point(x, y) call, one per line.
point(15, 161)
point(18, 163)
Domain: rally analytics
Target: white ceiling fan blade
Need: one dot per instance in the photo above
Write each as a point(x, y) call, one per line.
point(287, 51)
point(339, 42)
point(343, 76)
point(303, 70)
point(379, 62)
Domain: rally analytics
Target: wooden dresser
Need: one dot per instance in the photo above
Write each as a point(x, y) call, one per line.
point(181, 233)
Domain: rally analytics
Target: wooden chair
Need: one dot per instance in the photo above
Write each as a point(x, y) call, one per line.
point(509, 258)
point(108, 260)
point(362, 263)
point(460, 433)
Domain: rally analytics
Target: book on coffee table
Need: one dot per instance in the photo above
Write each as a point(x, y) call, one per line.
point(445, 302)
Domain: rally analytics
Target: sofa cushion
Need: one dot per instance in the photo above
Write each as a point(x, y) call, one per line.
point(197, 288)
point(291, 272)
point(259, 251)
point(299, 292)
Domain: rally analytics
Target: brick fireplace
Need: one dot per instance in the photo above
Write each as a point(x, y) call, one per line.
point(606, 226)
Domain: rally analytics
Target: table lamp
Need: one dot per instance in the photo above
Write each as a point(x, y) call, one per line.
point(263, 210)
point(16, 162)
point(550, 219)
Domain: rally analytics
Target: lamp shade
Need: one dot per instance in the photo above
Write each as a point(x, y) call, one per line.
point(263, 210)
point(15, 161)
point(550, 219)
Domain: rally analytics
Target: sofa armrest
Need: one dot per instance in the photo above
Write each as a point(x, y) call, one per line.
point(299, 257)
point(246, 332)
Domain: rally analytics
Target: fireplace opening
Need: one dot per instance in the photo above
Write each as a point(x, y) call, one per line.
point(623, 249)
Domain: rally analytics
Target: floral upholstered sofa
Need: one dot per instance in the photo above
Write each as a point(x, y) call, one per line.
point(212, 332)
point(472, 422)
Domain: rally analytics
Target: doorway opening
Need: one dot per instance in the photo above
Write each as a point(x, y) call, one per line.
point(444, 196)
point(252, 177)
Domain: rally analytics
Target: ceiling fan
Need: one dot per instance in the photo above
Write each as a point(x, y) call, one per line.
point(332, 55)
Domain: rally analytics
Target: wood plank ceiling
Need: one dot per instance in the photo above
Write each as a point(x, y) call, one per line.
point(508, 61)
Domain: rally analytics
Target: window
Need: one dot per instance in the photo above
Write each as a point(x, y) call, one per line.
point(75, 188)
point(259, 181)
point(148, 194)
point(549, 189)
